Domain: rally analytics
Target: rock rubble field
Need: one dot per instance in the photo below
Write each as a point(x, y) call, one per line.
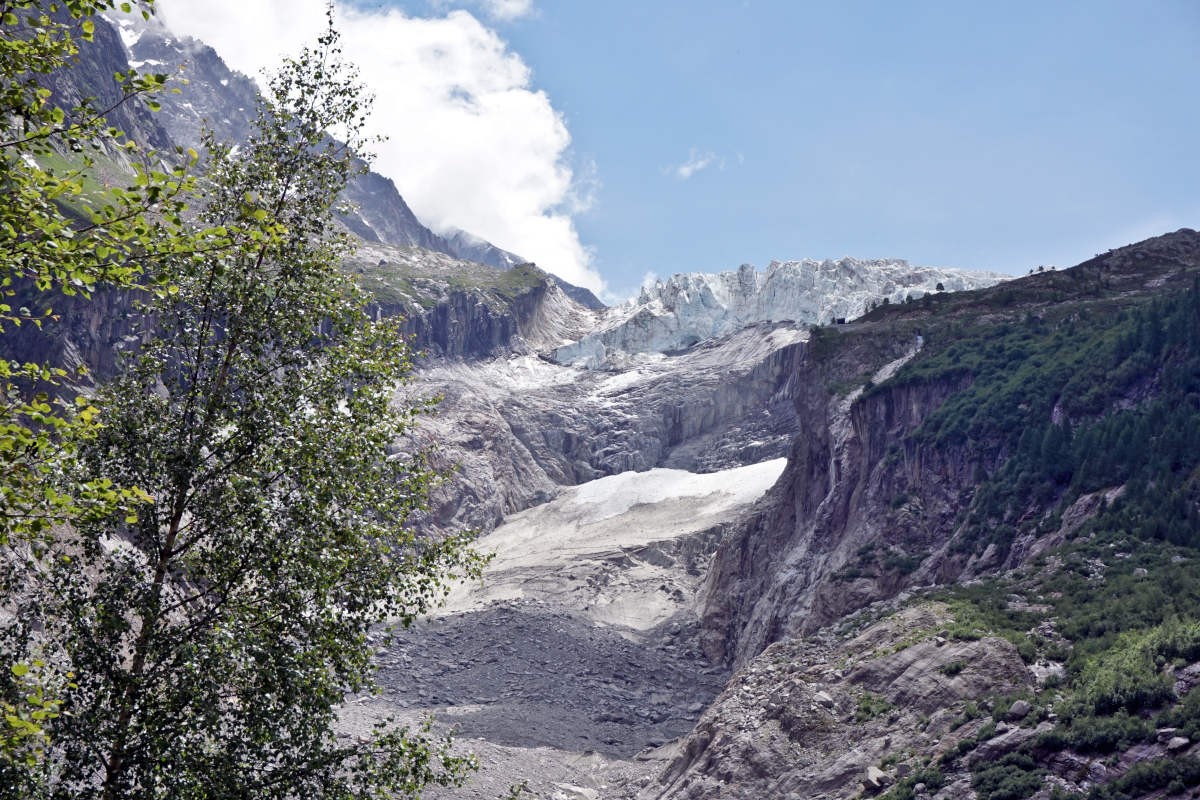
point(576, 661)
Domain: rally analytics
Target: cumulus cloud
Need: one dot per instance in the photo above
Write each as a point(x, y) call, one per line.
point(696, 161)
point(470, 142)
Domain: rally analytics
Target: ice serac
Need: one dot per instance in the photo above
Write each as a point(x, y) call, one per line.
point(675, 314)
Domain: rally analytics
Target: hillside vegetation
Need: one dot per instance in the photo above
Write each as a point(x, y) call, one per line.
point(1081, 414)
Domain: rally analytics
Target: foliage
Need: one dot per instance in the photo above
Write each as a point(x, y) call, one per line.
point(1097, 734)
point(517, 790)
point(1128, 675)
point(405, 283)
point(1079, 420)
point(202, 646)
point(870, 706)
point(874, 559)
point(1064, 403)
point(905, 788)
point(1121, 629)
point(968, 743)
point(34, 706)
point(1012, 777)
point(952, 669)
point(57, 238)
point(1175, 775)
point(1185, 716)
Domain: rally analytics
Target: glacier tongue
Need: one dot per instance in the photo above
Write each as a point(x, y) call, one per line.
point(625, 550)
point(688, 308)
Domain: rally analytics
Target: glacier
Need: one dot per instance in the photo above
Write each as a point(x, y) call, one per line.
point(688, 308)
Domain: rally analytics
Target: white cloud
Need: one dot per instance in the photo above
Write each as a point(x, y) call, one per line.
point(508, 9)
point(471, 144)
point(498, 10)
point(696, 161)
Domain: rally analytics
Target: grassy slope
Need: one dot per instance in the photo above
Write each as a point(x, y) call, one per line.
point(407, 276)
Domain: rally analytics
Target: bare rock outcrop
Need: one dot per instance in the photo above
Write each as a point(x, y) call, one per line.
point(844, 499)
point(823, 718)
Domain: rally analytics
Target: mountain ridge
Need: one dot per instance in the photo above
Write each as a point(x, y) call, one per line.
point(213, 97)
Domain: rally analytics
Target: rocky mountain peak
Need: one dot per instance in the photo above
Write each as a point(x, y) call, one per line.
point(213, 97)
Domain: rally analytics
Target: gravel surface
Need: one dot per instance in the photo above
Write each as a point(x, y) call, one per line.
point(528, 676)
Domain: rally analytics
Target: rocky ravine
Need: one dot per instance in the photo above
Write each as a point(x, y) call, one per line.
point(702, 373)
point(577, 658)
point(581, 657)
point(521, 427)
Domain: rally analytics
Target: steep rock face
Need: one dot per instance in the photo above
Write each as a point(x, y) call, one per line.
point(89, 334)
point(379, 214)
point(455, 322)
point(775, 576)
point(210, 95)
point(213, 97)
point(459, 309)
point(92, 77)
point(867, 506)
point(471, 248)
point(461, 325)
point(519, 428)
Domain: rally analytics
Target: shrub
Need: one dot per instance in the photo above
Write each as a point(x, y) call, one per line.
point(1148, 776)
point(1126, 675)
point(1014, 777)
point(1098, 735)
point(871, 706)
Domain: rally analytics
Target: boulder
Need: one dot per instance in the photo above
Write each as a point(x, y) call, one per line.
point(1019, 710)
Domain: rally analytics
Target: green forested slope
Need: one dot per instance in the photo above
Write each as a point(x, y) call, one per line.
point(1083, 418)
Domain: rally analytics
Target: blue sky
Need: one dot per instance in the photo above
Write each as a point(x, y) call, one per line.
point(970, 134)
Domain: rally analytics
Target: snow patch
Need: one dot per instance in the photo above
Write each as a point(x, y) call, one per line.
point(606, 549)
point(713, 492)
point(129, 32)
